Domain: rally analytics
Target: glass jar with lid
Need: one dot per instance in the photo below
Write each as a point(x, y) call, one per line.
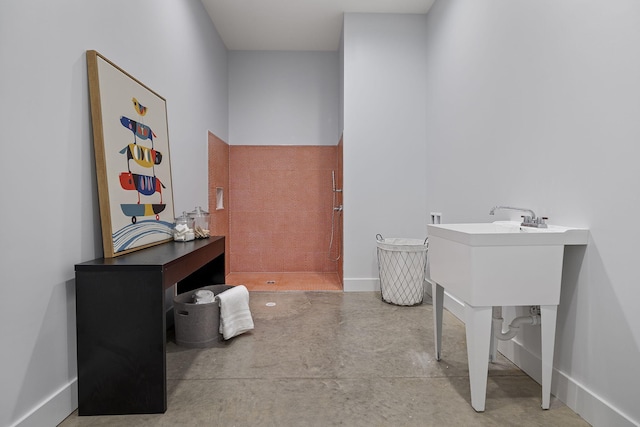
point(183, 230)
point(200, 219)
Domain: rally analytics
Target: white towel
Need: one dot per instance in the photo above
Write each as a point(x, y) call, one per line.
point(235, 316)
point(203, 296)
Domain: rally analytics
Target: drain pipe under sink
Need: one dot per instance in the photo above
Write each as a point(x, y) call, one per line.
point(514, 326)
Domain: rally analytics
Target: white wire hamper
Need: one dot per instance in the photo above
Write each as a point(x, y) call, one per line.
point(402, 265)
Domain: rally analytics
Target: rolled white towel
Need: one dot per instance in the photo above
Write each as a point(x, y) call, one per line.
point(235, 316)
point(203, 296)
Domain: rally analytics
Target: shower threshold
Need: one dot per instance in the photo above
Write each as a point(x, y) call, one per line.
point(296, 281)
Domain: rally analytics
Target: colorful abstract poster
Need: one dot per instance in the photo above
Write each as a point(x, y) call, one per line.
point(133, 170)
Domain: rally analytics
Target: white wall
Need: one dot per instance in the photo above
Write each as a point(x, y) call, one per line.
point(384, 137)
point(535, 104)
point(49, 212)
point(341, 81)
point(283, 98)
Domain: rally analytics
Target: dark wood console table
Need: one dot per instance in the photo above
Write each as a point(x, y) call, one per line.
point(121, 326)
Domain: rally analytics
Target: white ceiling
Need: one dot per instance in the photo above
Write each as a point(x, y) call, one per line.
point(294, 24)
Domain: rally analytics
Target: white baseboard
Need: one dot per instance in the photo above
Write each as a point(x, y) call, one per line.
point(591, 407)
point(53, 410)
point(361, 285)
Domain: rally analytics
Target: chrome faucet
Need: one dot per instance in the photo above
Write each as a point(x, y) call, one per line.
point(527, 220)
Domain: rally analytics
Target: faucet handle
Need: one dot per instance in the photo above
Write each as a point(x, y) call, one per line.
point(539, 222)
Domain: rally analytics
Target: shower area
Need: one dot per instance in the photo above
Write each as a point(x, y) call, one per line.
point(284, 213)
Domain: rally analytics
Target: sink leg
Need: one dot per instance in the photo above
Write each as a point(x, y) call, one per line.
point(548, 315)
point(493, 348)
point(437, 295)
point(478, 329)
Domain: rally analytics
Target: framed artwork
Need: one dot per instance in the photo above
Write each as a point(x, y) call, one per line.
point(131, 141)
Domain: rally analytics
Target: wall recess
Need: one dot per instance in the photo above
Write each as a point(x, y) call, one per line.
point(219, 198)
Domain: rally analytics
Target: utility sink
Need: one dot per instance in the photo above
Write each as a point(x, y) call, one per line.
point(500, 233)
point(501, 263)
point(498, 264)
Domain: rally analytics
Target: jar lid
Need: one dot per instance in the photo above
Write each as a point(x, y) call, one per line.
point(198, 211)
point(183, 217)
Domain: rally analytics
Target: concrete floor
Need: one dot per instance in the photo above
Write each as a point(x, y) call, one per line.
point(333, 358)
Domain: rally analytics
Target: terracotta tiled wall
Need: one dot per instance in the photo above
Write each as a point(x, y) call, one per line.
point(219, 177)
point(280, 208)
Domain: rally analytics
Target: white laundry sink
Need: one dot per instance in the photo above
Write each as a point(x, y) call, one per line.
point(501, 263)
point(498, 264)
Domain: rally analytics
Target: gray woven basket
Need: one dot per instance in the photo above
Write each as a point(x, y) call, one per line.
point(197, 325)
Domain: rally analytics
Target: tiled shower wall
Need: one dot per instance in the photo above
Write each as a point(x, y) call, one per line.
point(280, 202)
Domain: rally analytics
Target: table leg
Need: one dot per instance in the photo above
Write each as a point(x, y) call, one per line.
point(437, 295)
point(478, 329)
point(548, 315)
point(121, 343)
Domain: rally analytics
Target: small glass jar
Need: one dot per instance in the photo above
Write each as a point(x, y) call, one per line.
point(183, 229)
point(200, 219)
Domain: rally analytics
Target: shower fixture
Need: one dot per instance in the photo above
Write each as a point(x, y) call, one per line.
point(336, 209)
point(333, 185)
